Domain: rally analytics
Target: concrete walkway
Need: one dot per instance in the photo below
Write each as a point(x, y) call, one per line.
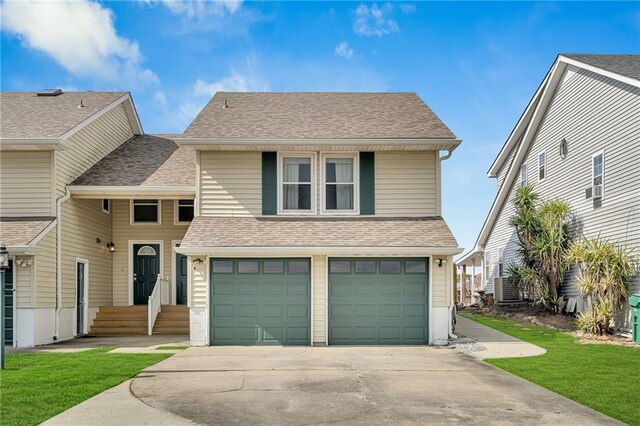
point(492, 343)
point(123, 344)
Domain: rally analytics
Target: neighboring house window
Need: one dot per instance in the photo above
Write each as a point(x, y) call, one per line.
point(340, 189)
point(523, 175)
point(145, 211)
point(501, 262)
point(597, 171)
point(297, 186)
point(542, 166)
point(106, 206)
point(184, 211)
point(564, 149)
point(487, 265)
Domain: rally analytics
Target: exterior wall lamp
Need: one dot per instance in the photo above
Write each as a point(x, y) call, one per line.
point(440, 261)
point(111, 247)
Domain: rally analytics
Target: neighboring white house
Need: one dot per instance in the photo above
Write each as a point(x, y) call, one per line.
point(578, 140)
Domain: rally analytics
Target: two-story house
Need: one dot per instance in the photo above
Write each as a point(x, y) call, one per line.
point(275, 218)
point(578, 140)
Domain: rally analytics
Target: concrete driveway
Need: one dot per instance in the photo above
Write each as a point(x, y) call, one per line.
point(350, 385)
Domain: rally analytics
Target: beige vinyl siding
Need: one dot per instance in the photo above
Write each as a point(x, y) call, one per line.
point(26, 187)
point(405, 184)
point(593, 113)
point(24, 284)
point(123, 232)
point(90, 145)
point(45, 271)
point(442, 282)
point(199, 285)
point(319, 284)
point(230, 183)
point(82, 222)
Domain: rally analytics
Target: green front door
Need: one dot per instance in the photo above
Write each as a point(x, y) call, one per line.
point(7, 287)
point(378, 301)
point(146, 267)
point(181, 279)
point(260, 302)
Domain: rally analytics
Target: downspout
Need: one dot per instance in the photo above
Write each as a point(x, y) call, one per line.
point(59, 202)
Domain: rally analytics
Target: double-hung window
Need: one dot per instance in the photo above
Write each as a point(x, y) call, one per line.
point(339, 185)
point(184, 211)
point(145, 211)
point(597, 172)
point(523, 175)
point(297, 187)
point(542, 166)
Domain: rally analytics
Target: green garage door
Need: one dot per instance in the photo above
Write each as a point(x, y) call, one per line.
point(260, 302)
point(381, 301)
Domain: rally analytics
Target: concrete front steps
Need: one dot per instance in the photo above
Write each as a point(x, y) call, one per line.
point(132, 321)
point(172, 319)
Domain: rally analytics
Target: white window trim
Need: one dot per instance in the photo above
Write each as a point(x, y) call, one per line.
point(108, 211)
point(176, 207)
point(545, 166)
point(356, 184)
point(592, 175)
point(500, 273)
point(314, 193)
point(523, 168)
point(132, 222)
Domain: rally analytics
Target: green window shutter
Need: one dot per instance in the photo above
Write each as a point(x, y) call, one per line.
point(367, 183)
point(269, 183)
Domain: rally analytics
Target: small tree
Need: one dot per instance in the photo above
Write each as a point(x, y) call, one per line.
point(605, 269)
point(543, 235)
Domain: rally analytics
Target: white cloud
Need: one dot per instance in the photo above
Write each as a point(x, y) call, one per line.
point(199, 8)
point(79, 35)
point(374, 20)
point(161, 98)
point(344, 50)
point(233, 83)
point(407, 8)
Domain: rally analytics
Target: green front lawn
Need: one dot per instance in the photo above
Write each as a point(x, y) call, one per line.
point(36, 386)
point(603, 377)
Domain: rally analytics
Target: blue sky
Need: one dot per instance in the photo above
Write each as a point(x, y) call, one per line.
point(476, 64)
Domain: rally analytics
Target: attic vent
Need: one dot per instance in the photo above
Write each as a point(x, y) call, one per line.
point(50, 92)
point(225, 104)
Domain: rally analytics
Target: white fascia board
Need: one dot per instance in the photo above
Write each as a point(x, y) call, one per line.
point(546, 96)
point(467, 257)
point(623, 78)
point(88, 191)
point(320, 141)
point(42, 233)
point(521, 125)
point(309, 251)
point(31, 144)
point(91, 119)
point(22, 250)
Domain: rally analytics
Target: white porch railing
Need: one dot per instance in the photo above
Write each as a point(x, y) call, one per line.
point(159, 296)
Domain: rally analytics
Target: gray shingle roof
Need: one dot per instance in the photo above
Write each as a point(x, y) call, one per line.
point(26, 115)
point(317, 116)
point(318, 232)
point(20, 231)
point(145, 160)
point(627, 65)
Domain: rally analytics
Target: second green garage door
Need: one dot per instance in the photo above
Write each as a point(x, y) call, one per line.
point(381, 301)
point(260, 302)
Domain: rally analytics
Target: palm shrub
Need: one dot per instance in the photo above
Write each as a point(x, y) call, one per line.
point(605, 269)
point(542, 229)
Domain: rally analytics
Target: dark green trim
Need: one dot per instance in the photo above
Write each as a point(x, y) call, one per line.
point(367, 183)
point(269, 183)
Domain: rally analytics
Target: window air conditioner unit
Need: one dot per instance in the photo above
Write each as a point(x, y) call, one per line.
point(597, 192)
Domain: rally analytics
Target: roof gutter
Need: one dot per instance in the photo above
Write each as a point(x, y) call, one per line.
point(316, 141)
point(126, 192)
point(309, 250)
point(31, 144)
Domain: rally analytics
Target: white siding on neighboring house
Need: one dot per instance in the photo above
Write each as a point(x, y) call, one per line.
point(90, 145)
point(45, 271)
point(230, 183)
point(594, 113)
point(504, 170)
point(82, 222)
point(26, 187)
point(124, 231)
point(405, 184)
